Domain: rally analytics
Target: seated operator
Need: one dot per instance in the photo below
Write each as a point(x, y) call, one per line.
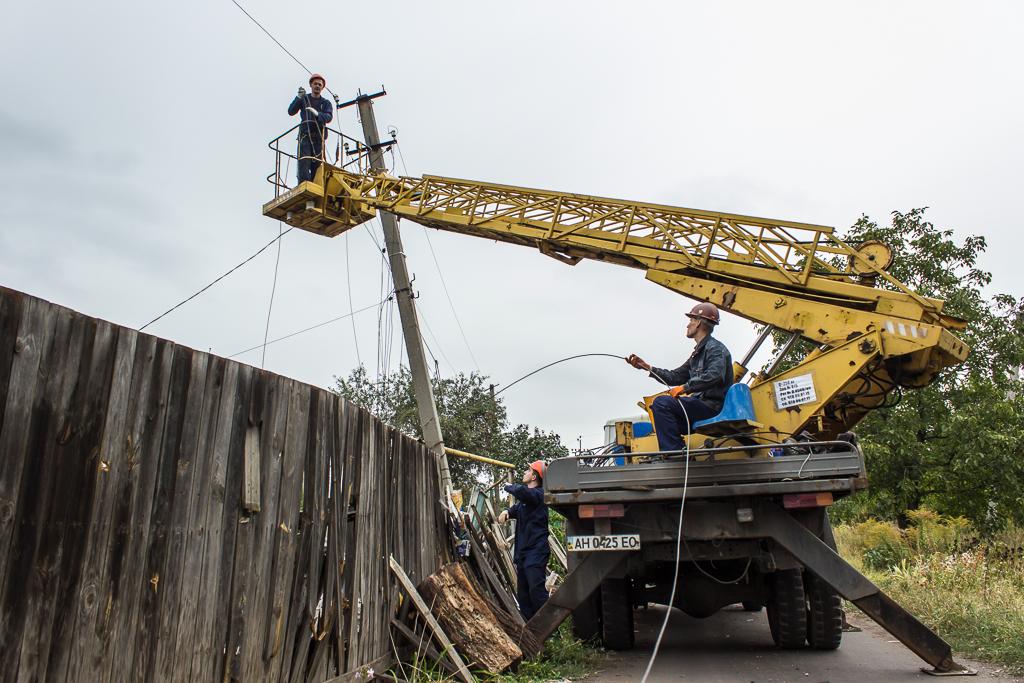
point(698, 386)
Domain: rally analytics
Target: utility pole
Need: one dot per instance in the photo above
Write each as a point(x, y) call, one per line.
point(406, 305)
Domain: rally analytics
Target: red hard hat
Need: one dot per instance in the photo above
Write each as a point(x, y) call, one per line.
point(315, 76)
point(705, 311)
point(539, 467)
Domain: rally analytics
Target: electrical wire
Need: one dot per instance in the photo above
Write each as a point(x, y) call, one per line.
point(278, 42)
point(185, 301)
point(308, 329)
point(451, 304)
point(348, 282)
point(562, 360)
point(426, 233)
point(273, 290)
point(679, 544)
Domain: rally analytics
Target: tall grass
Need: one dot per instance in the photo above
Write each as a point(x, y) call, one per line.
point(969, 589)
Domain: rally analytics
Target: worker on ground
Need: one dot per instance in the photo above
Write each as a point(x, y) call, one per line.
point(315, 113)
point(697, 387)
point(531, 550)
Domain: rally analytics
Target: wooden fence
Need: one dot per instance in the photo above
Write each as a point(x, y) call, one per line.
point(168, 515)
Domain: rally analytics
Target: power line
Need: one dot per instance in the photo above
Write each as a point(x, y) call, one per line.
point(278, 42)
point(348, 281)
point(308, 329)
point(185, 301)
point(562, 360)
point(270, 306)
point(444, 285)
point(451, 304)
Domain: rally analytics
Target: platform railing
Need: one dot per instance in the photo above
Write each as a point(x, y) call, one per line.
point(348, 153)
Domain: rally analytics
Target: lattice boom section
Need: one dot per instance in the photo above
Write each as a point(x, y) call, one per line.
point(690, 236)
point(650, 235)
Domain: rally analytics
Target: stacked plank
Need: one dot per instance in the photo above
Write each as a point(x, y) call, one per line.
point(169, 515)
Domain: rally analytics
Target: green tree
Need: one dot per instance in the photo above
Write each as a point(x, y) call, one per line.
point(472, 420)
point(957, 445)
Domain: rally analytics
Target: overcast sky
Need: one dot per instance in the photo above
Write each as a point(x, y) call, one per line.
point(133, 161)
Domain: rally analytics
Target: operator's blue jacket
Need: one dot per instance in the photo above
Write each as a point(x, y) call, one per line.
point(312, 126)
point(707, 373)
point(531, 515)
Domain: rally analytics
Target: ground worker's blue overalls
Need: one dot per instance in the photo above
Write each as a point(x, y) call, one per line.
point(531, 550)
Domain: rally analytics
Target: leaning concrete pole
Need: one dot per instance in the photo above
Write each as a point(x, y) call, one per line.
point(407, 307)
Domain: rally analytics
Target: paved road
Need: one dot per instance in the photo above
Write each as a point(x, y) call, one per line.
point(735, 645)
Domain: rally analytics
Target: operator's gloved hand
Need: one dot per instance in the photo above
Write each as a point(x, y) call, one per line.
point(676, 392)
point(313, 110)
point(503, 517)
point(638, 362)
point(302, 91)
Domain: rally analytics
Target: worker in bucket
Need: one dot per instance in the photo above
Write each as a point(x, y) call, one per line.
point(315, 112)
point(531, 550)
point(697, 387)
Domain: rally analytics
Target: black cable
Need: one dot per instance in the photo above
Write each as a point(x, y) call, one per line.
point(308, 329)
point(185, 301)
point(581, 355)
point(270, 35)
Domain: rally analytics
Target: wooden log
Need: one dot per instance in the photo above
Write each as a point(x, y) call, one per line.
point(435, 627)
point(468, 620)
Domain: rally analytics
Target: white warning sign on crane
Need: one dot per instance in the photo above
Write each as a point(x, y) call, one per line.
point(794, 391)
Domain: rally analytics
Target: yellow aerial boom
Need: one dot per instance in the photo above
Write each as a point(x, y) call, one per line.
point(872, 333)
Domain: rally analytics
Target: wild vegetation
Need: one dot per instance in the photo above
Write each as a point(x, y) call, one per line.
point(967, 586)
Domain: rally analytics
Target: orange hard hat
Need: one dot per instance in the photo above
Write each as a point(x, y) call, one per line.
point(539, 467)
point(315, 76)
point(705, 311)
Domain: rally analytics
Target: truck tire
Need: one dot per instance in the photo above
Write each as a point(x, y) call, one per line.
point(787, 609)
point(616, 614)
point(586, 619)
point(824, 614)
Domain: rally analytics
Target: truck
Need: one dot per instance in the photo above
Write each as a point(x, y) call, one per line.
point(741, 514)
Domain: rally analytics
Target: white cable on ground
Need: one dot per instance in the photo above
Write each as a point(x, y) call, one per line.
point(679, 544)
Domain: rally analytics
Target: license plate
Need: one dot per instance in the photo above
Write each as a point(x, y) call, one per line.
point(609, 542)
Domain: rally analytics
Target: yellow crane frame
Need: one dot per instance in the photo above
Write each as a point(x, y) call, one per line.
point(871, 331)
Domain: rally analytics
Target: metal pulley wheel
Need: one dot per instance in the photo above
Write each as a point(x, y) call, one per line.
point(871, 253)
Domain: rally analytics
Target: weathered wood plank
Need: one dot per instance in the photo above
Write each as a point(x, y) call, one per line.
point(231, 422)
point(78, 483)
point(285, 531)
point(421, 606)
point(162, 500)
point(34, 331)
point(199, 501)
point(11, 305)
point(142, 444)
point(110, 469)
point(352, 453)
point(171, 588)
point(27, 611)
point(237, 541)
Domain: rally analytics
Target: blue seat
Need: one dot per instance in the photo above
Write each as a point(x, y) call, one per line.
point(737, 413)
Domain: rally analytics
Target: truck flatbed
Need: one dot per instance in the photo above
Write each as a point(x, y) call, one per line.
point(832, 466)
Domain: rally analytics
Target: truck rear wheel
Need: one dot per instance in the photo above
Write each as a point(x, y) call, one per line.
point(616, 614)
point(586, 618)
point(787, 609)
point(824, 614)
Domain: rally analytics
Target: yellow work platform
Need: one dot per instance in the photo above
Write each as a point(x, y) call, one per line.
point(307, 207)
